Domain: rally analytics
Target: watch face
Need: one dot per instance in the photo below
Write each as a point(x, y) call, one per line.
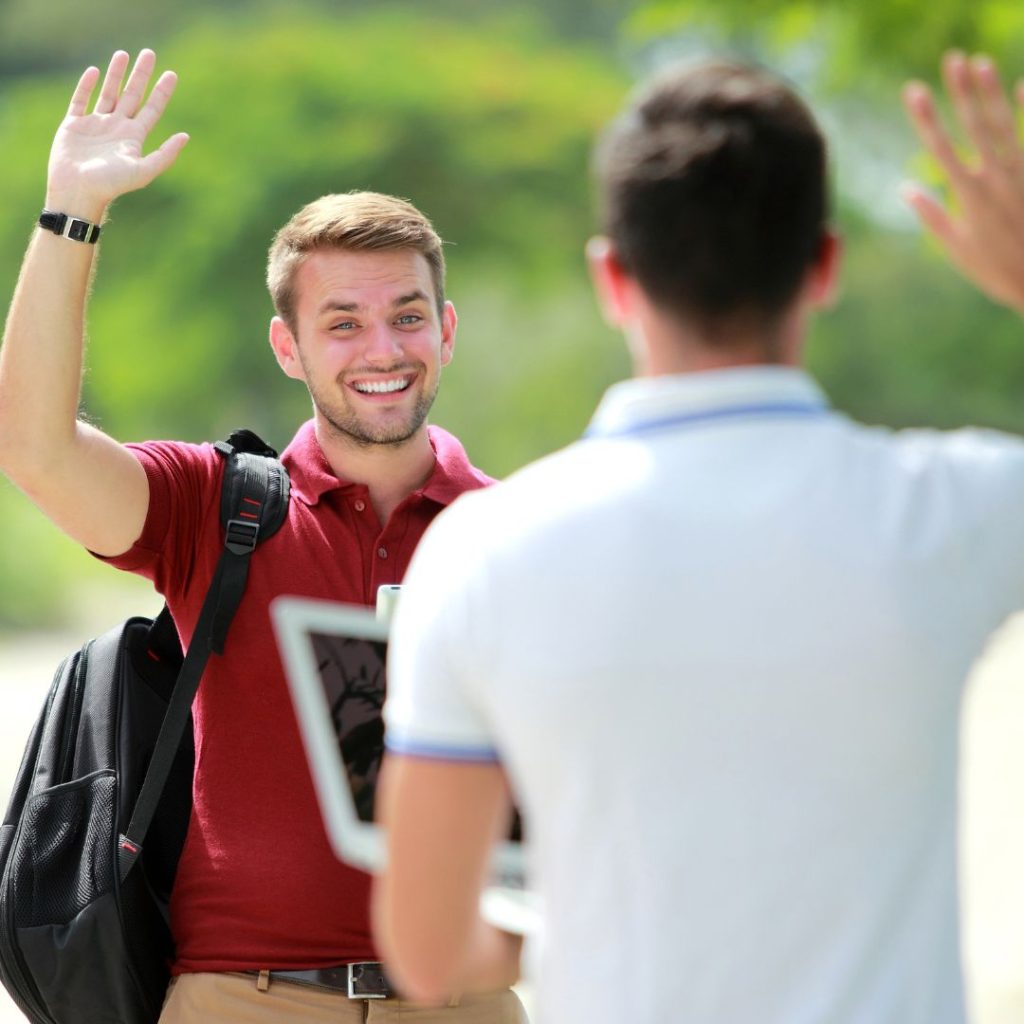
point(75, 228)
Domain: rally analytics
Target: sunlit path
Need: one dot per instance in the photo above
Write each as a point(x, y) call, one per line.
point(993, 819)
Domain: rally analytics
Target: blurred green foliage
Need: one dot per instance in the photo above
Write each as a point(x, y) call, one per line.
point(488, 130)
point(855, 43)
point(37, 36)
point(910, 343)
point(482, 113)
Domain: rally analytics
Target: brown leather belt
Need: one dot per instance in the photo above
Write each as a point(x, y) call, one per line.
point(363, 980)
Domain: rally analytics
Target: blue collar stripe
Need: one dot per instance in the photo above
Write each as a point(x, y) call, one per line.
point(688, 419)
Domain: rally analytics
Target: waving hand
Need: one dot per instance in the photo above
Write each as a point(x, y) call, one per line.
point(983, 229)
point(89, 485)
point(98, 156)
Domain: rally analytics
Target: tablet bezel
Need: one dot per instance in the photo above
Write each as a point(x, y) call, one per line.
point(353, 840)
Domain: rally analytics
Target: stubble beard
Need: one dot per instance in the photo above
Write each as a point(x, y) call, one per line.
point(346, 424)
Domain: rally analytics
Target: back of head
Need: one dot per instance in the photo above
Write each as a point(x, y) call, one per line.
point(714, 195)
point(353, 221)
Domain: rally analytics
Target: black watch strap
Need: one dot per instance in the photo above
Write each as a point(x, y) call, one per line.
point(66, 226)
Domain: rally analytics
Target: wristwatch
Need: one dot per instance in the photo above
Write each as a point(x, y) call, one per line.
point(75, 228)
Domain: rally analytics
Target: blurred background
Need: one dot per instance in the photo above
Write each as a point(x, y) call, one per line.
point(483, 113)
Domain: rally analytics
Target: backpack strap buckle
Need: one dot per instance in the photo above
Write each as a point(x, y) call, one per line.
point(241, 536)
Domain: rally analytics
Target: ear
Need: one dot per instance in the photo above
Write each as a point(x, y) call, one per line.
point(822, 283)
point(449, 323)
point(286, 348)
point(615, 289)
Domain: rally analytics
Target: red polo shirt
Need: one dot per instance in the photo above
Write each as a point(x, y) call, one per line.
point(257, 885)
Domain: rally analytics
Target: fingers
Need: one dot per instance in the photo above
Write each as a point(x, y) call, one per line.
point(126, 102)
point(83, 91)
point(131, 98)
point(920, 107)
point(956, 73)
point(154, 107)
point(112, 83)
point(932, 215)
point(995, 106)
point(982, 108)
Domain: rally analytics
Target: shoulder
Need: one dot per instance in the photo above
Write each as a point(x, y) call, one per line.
point(175, 453)
point(179, 470)
point(544, 496)
point(972, 454)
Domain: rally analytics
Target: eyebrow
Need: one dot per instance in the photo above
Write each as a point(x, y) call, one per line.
point(333, 306)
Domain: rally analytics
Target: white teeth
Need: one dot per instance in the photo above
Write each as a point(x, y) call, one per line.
point(381, 387)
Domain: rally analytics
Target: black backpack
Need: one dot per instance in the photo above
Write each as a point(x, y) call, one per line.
point(94, 829)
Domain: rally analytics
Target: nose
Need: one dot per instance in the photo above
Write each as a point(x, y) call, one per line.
point(382, 345)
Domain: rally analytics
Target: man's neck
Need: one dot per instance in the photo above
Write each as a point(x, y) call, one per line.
point(660, 346)
point(390, 472)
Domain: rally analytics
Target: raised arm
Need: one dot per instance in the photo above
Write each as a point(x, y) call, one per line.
point(86, 482)
point(982, 228)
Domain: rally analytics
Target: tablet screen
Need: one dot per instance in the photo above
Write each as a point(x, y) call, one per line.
point(352, 674)
point(353, 677)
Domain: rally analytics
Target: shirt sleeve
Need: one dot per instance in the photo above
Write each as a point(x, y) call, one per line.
point(976, 492)
point(436, 706)
point(184, 497)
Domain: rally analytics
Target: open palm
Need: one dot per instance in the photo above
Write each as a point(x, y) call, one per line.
point(982, 228)
point(98, 156)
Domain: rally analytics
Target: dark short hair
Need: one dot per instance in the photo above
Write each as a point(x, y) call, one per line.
point(358, 222)
point(713, 192)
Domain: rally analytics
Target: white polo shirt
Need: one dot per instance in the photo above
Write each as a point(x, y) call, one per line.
point(719, 647)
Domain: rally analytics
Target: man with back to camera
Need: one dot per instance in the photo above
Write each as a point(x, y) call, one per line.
point(717, 647)
point(260, 905)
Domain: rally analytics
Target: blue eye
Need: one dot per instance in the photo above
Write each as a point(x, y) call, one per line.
point(409, 318)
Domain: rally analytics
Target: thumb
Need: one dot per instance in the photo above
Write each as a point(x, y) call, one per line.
point(933, 217)
point(153, 165)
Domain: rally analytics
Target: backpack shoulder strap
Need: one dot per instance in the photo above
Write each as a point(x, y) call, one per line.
point(254, 503)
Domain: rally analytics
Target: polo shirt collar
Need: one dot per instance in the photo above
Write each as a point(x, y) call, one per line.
point(312, 476)
point(663, 402)
point(453, 472)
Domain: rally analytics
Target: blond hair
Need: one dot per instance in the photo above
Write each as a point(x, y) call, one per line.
point(356, 221)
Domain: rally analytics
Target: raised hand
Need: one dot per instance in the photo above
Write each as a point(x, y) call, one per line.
point(98, 156)
point(983, 232)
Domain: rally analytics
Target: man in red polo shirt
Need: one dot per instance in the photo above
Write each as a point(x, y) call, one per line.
point(260, 904)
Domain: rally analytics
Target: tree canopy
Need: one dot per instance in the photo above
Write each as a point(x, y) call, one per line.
point(483, 113)
point(852, 44)
point(488, 131)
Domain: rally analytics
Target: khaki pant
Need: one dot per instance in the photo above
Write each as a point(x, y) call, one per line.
point(211, 998)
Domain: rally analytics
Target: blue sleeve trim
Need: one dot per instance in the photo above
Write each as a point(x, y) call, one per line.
point(441, 752)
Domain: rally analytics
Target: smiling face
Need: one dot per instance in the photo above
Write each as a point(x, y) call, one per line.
point(368, 342)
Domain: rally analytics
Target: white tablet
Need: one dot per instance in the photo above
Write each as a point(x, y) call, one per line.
point(335, 658)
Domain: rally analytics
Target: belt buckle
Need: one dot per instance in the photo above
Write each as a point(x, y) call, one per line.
point(366, 980)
